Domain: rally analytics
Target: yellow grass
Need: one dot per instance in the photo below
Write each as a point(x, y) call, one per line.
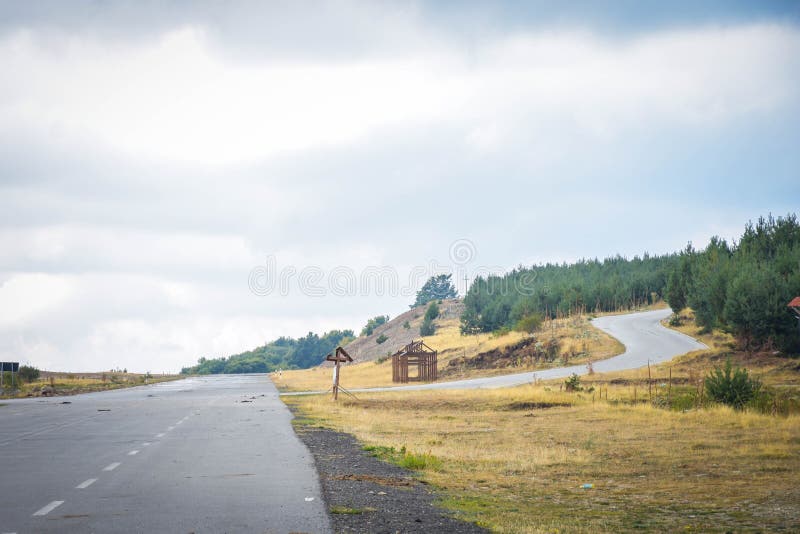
point(772, 370)
point(579, 339)
point(510, 464)
point(74, 383)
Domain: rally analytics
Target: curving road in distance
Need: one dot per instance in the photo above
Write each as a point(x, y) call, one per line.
point(643, 335)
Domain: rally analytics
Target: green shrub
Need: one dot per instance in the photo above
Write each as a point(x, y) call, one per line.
point(28, 373)
point(381, 339)
point(731, 386)
point(573, 383)
point(427, 328)
point(502, 331)
point(530, 323)
point(432, 312)
point(407, 325)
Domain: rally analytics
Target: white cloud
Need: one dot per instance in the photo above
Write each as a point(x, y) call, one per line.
point(25, 296)
point(177, 99)
point(88, 248)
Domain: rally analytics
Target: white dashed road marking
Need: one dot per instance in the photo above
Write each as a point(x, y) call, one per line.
point(86, 483)
point(133, 453)
point(146, 444)
point(160, 435)
point(111, 467)
point(170, 428)
point(49, 508)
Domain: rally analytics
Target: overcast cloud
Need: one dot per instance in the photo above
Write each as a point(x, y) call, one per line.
point(157, 159)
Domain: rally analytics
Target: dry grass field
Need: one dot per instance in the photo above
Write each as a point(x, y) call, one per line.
point(516, 460)
point(656, 454)
point(51, 384)
point(580, 342)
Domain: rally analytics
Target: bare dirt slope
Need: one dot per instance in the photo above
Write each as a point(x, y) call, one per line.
point(366, 348)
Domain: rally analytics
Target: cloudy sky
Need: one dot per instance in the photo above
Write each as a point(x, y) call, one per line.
point(192, 179)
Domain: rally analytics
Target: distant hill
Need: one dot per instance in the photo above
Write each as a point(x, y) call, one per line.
point(366, 348)
point(283, 353)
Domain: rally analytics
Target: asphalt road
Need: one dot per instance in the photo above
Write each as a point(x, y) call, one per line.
point(642, 334)
point(213, 454)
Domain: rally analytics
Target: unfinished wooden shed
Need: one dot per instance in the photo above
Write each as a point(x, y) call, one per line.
point(416, 354)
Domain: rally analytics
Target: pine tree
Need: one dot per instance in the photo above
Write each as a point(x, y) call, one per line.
point(436, 288)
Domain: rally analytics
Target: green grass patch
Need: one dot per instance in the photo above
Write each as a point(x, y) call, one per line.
point(404, 458)
point(419, 462)
point(346, 510)
point(304, 421)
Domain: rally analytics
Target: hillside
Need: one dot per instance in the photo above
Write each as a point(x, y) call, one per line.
point(573, 340)
point(366, 348)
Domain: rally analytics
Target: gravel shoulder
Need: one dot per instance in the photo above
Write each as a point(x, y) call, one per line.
point(365, 494)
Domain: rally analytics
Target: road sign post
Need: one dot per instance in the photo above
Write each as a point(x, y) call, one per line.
point(13, 367)
point(337, 357)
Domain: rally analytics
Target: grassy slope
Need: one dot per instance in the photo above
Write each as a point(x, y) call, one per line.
point(575, 334)
point(771, 369)
point(509, 464)
point(507, 461)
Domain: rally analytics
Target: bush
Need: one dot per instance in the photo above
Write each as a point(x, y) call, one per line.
point(381, 339)
point(573, 383)
point(731, 386)
point(530, 323)
point(427, 328)
point(500, 332)
point(432, 312)
point(28, 373)
point(407, 325)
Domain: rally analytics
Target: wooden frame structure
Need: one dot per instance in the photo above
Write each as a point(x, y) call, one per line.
point(337, 357)
point(419, 354)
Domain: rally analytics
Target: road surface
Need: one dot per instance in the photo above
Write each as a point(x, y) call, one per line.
point(642, 334)
point(211, 454)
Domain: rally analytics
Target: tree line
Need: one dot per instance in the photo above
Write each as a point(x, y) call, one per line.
point(282, 353)
point(550, 290)
point(744, 287)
